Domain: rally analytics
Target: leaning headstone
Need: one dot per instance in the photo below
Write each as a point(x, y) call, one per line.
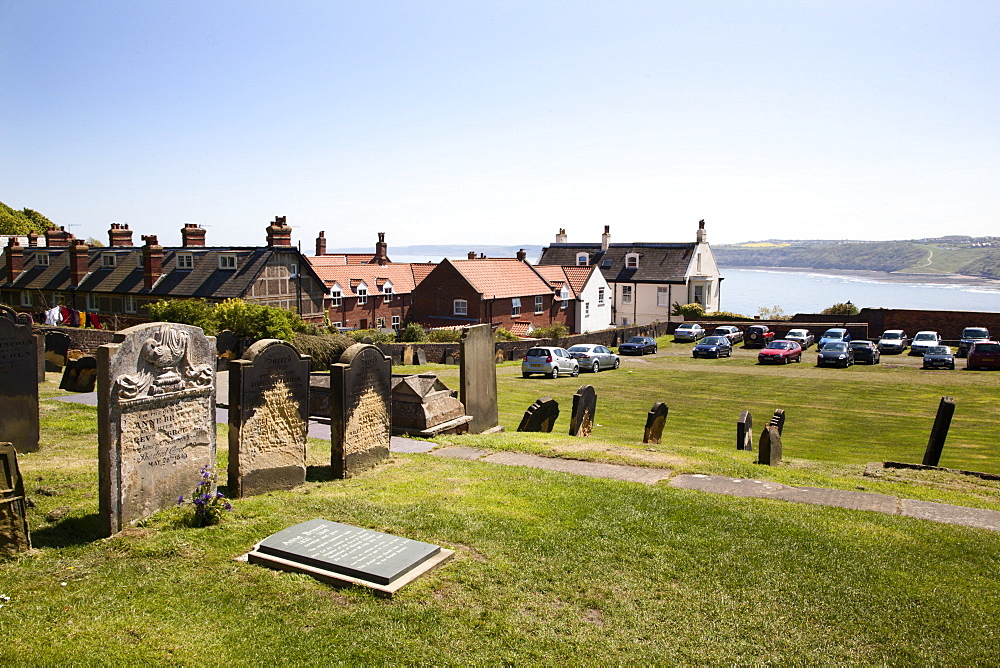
point(581, 422)
point(778, 420)
point(769, 446)
point(79, 375)
point(478, 378)
point(939, 432)
point(156, 419)
point(744, 432)
point(56, 347)
point(540, 416)
point(268, 418)
point(655, 420)
point(14, 536)
point(18, 383)
point(421, 356)
point(361, 410)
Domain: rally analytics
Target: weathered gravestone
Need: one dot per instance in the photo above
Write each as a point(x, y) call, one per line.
point(40, 356)
point(407, 355)
point(14, 536)
point(769, 447)
point(778, 420)
point(422, 405)
point(744, 432)
point(18, 383)
point(478, 378)
point(540, 416)
point(421, 356)
point(56, 347)
point(939, 432)
point(581, 421)
point(655, 420)
point(79, 375)
point(268, 418)
point(360, 409)
point(450, 357)
point(156, 419)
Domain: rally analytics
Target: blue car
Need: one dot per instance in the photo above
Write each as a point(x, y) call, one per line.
point(834, 335)
point(713, 346)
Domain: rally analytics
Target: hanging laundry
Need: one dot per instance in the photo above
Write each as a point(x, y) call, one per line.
point(94, 322)
point(74, 318)
point(54, 316)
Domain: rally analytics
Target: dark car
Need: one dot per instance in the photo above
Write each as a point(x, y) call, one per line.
point(780, 352)
point(835, 353)
point(969, 336)
point(834, 335)
point(984, 355)
point(757, 336)
point(939, 357)
point(638, 345)
point(865, 352)
point(713, 346)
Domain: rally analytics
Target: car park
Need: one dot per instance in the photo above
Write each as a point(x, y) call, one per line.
point(781, 351)
point(924, 340)
point(803, 337)
point(969, 336)
point(835, 353)
point(593, 357)
point(893, 341)
point(732, 333)
point(865, 352)
point(938, 357)
point(834, 335)
point(638, 345)
point(549, 360)
point(689, 331)
point(757, 336)
point(713, 346)
point(984, 355)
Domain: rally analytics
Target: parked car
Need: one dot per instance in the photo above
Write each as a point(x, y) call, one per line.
point(550, 361)
point(689, 331)
point(969, 336)
point(732, 333)
point(781, 351)
point(834, 335)
point(638, 345)
point(893, 341)
point(757, 336)
point(835, 353)
point(593, 357)
point(865, 351)
point(939, 357)
point(984, 355)
point(713, 346)
point(924, 340)
point(803, 337)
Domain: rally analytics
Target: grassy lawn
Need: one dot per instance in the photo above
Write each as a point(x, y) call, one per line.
point(550, 567)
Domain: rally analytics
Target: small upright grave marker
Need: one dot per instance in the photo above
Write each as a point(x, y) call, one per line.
point(655, 420)
point(56, 348)
point(778, 420)
point(744, 432)
point(18, 383)
point(939, 432)
point(584, 407)
point(361, 409)
point(540, 416)
point(478, 378)
point(769, 446)
point(14, 536)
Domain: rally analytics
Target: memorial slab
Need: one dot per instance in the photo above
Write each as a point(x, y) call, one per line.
point(361, 409)
point(541, 416)
point(14, 536)
point(18, 383)
point(655, 420)
point(268, 418)
point(581, 422)
point(156, 419)
point(478, 378)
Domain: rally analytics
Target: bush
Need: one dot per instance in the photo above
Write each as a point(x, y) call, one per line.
point(502, 334)
point(197, 312)
point(554, 331)
point(256, 321)
point(325, 349)
point(413, 333)
point(375, 335)
point(693, 311)
point(841, 309)
point(444, 336)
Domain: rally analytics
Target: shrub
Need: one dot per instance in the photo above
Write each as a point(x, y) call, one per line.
point(554, 331)
point(841, 309)
point(689, 311)
point(376, 336)
point(502, 334)
point(444, 336)
point(325, 349)
point(413, 333)
point(256, 321)
point(197, 312)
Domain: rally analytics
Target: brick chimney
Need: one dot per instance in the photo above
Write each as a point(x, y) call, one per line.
point(381, 247)
point(57, 237)
point(152, 261)
point(702, 235)
point(78, 261)
point(192, 236)
point(15, 259)
point(521, 255)
point(33, 239)
point(279, 233)
point(321, 243)
point(561, 236)
point(606, 238)
point(472, 255)
point(119, 236)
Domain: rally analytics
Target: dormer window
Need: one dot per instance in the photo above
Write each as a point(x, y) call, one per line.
point(335, 295)
point(42, 259)
point(582, 259)
point(185, 261)
point(109, 260)
point(387, 292)
point(362, 292)
point(227, 261)
point(632, 261)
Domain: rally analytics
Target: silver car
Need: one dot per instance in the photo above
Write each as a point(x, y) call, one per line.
point(593, 357)
point(924, 340)
point(552, 362)
point(803, 337)
point(691, 331)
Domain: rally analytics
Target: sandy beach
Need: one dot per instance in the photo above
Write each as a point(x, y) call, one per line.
point(882, 276)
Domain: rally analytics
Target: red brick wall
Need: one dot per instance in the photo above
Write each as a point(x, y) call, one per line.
point(350, 313)
point(433, 299)
point(949, 324)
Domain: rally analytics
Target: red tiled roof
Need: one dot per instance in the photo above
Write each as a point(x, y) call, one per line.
point(520, 328)
point(556, 276)
point(577, 276)
point(499, 278)
point(348, 276)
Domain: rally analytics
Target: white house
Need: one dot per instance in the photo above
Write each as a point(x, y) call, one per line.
point(587, 290)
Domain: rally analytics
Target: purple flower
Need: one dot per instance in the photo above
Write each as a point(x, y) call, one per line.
point(180, 499)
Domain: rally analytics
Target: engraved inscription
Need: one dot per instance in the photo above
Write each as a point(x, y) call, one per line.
point(160, 434)
point(349, 546)
point(275, 427)
point(15, 353)
point(368, 425)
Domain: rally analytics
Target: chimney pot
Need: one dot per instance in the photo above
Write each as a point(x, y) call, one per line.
point(521, 255)
point(57, 237)
point(119, 236)
point(192, 236)
point(472, 255)
point(152, 261)
point(321, 243)
point(381, 258)
point(14, 255)
point(279, 233)
point(78, 261)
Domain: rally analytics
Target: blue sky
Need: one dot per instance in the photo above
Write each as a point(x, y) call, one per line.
point(500, 122)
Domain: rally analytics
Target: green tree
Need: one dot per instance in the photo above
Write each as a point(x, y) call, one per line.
point(413, 333)
point(22, 222)
point(256, 321)
point(197, 312)
point(772, 313)
point(841, 309)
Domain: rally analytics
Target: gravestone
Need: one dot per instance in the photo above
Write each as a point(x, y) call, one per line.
point(18, 383)
point(744, 432)
point(56, 347)
point(939, 432)
point(581, 421)
point(342, 554)
point(40, 356)
point(499, 357)
point(361, 410)
point(769, 446)
point(478, 378)
point(79, 375)
point(156, 419)
point(778, 420)
point(421, 356)
point(540, 416)
point(450, 357)
point(655, 420)
point(422, 405)
point(407, 355)
point(268, 418)
point(226, 343)
point(14, 536)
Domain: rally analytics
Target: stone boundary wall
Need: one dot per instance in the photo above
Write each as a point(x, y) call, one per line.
point(949, 324)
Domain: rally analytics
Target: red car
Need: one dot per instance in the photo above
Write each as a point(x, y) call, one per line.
point(757, 336)
point(984, 355)
point(780, 352)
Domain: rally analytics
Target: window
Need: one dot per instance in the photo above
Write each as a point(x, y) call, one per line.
point(91, 301)
point(582, 259)
point(362, 292)
point(699, 294)
point(586, 309)
point(515, 306)
point(130, 303)
point(539, 303)
point(42, 259)
point(186, 261)
point(632, 261)
point(626, 294)
point(387, 292)
point(380, 323)
point(662, 296)
point(461, 307)
point(699, 263)
point(227, 261)
point(25, 298)
point(564, 296)
point(600, 296)
point(293, 270)
point(395, 322)
point(335, 295)
point(109, 260)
